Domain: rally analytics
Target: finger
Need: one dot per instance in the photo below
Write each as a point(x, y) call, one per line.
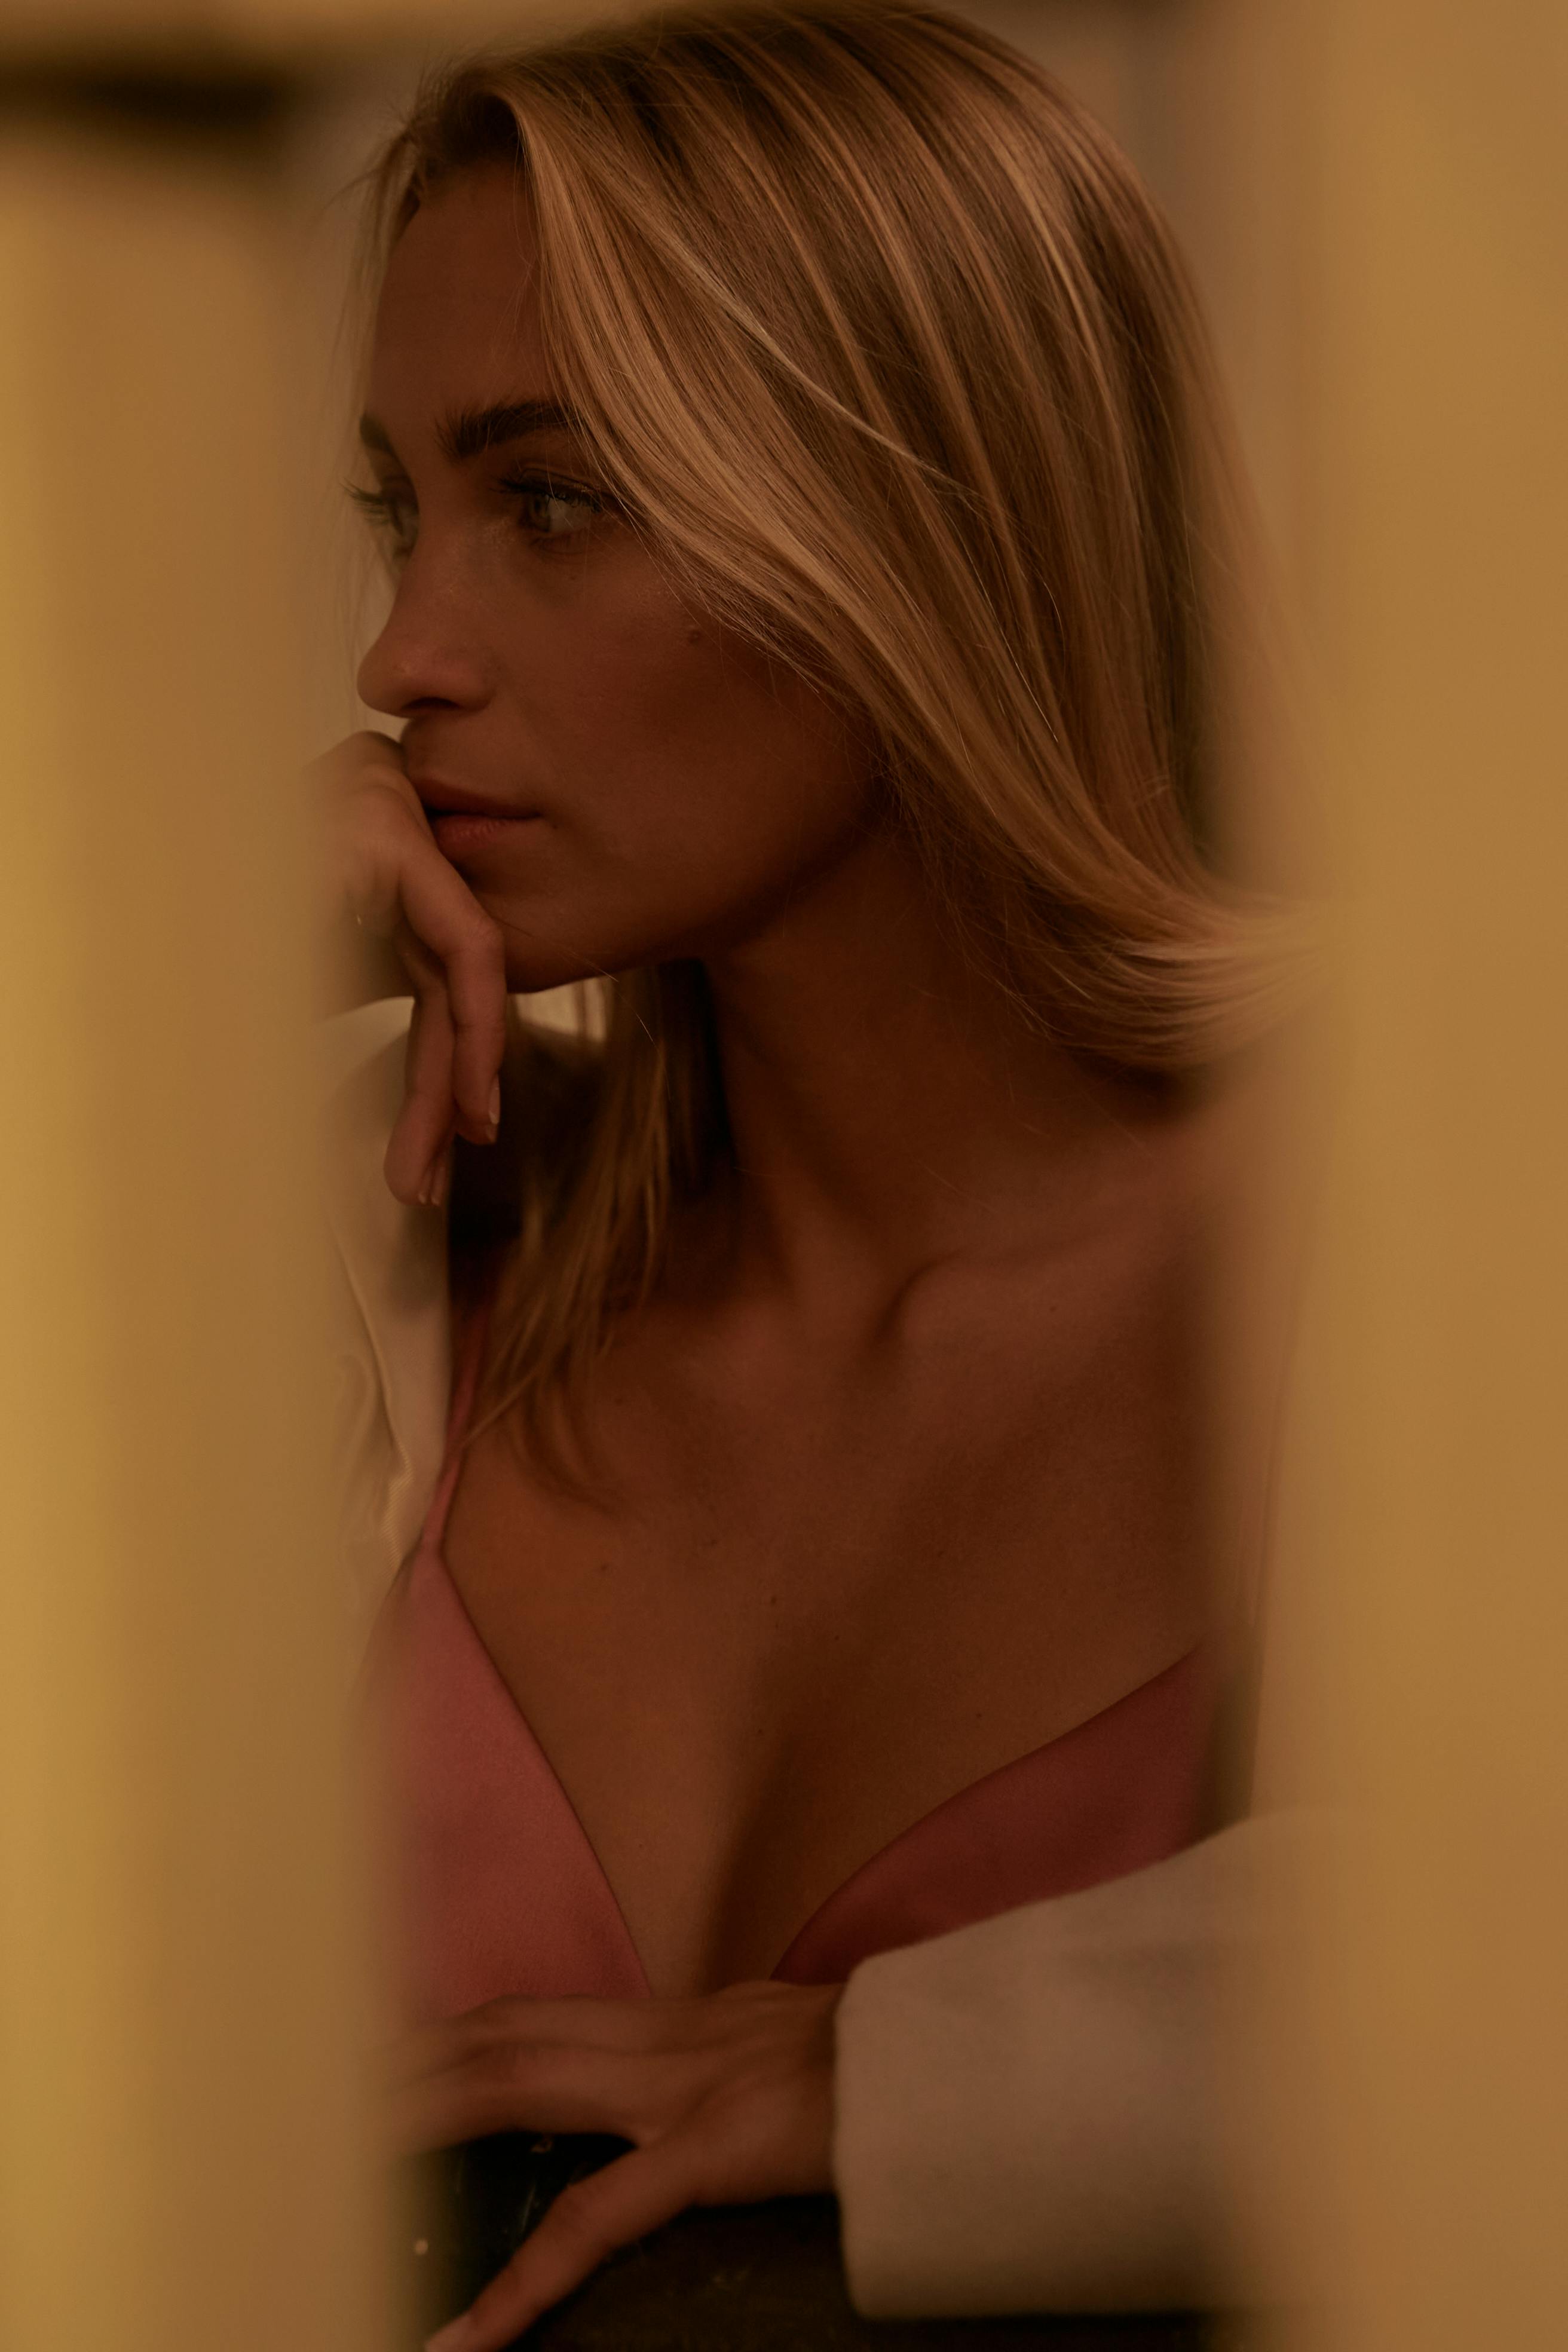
point(449, 922)
point(587, 2222)
point(744, 2017)
point(582, 2021)
point(416, 1150)
point(634, 2095)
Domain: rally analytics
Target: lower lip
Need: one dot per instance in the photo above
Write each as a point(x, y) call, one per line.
point(458, 832)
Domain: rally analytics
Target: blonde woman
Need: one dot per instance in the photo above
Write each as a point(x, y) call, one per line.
point(818, 627)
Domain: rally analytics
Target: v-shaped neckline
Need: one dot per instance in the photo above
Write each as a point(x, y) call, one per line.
point(1123, 1788)
point(1177, 1692)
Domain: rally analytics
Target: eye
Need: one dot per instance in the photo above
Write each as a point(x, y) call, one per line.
point(392, 512)
point(551, 509)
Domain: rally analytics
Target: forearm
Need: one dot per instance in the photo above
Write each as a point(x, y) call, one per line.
point(1031, 2113)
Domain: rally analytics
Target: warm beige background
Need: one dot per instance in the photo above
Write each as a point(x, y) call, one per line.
point(1370, 192)
point(1438, 1531)
point(178, 2004)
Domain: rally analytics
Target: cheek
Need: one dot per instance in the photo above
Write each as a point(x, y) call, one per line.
point(687, 760)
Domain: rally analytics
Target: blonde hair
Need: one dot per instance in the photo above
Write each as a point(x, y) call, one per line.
point(887, 348)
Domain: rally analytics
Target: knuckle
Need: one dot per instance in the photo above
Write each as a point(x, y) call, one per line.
point(519, 2065)
point(481, 934)
point(547, 2068)
point(485, 2070)
point(508, 2015)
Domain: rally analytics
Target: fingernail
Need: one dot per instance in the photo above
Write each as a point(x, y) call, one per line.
point(438, 1176)
point(495, 1106)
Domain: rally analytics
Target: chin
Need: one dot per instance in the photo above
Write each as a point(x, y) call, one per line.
point(623, 923)
point(536, 961)
point(538, 975)
point(536, 969)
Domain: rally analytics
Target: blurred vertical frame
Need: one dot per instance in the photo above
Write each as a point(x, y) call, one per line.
point(181, 2011)
point(1427, 1545)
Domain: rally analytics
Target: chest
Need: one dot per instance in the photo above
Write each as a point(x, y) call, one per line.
point(801, 1603)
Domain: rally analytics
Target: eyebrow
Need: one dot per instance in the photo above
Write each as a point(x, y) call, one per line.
point(470, 432)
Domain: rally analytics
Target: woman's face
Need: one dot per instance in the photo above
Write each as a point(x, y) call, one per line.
point(626, 780)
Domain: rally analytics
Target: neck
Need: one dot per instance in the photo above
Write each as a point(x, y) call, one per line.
point(890, 1106)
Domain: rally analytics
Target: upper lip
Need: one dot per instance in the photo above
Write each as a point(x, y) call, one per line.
point(450, 799)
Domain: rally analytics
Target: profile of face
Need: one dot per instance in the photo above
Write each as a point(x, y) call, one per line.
point(619, 780)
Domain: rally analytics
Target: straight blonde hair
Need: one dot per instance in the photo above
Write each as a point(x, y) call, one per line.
point(884, 345)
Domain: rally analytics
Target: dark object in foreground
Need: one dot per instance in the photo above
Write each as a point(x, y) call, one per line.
point(747, 2278)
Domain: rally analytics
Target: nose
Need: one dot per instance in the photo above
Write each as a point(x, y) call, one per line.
point(423, 654)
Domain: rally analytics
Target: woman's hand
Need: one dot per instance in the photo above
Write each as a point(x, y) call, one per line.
point(386, 875)
point(729, 2099)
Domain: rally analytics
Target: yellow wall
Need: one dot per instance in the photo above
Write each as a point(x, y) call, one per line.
point(179, 2008)
point(1440, 492)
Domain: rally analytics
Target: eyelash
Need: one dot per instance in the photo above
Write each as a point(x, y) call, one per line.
point(377, 509)
point(382, 511)
point(526, 486)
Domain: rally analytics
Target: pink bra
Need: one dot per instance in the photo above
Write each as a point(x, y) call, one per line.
point(498, 1890)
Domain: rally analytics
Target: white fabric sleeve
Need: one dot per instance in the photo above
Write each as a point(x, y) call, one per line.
point(390, 1298)
point(1032, 2114)
point(390, 1316)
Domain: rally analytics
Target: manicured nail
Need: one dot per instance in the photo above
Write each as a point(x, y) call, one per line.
point(495, 1106)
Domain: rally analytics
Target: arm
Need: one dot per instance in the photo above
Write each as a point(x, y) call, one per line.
point(1032, 2114)
point(1027, 2115)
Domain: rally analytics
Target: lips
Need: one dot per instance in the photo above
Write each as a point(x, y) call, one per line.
point(441, 800)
